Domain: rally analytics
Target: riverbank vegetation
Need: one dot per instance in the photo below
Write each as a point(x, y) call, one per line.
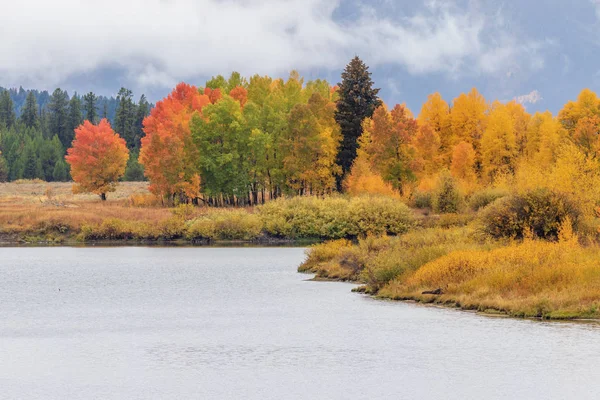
point(473, 203)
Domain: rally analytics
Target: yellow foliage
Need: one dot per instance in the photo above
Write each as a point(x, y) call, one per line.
point(499, 145)
point(550, 280)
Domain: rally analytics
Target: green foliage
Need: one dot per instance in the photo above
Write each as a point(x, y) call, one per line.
point(482, 198)
point(90, 108)
point(422, 199)
point(225, 225)
point(29, 113)
point(3, 169)
point(7, 110)
point(447, 197)
point(58, 117)
point(60, 172)
point(134, 171)
point(538, 212)
point(334, 217)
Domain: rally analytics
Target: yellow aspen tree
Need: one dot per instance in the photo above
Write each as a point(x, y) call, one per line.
point(586, 105)
point(463, 162)
point(521, 120)
point(498, 144)
point(435, 113)
point(468, 117)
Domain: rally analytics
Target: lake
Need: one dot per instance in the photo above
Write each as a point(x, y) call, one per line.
point(241, 323)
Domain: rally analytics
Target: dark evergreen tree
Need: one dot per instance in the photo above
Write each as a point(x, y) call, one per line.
point(75, 116)
point(105, 111)
point(60, 172)
point(357, 101)
point(3, 169)
point(7, 109)
point(142, 111)
point(58, 117)
point(125, 118)
point(134, 171)
point(89, 107)
point(30, 161)
point(29, 112)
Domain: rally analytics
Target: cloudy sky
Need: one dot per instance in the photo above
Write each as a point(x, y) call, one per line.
point(539, 52)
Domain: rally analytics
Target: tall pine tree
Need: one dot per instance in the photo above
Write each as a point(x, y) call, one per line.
point(7, 110)
point(75, 116)
point(357, 101)
point(89, 107)
point(29, 113)
point(125, 118)
point(58, 117)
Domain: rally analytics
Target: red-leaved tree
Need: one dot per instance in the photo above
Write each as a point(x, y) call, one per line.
point(169, 157)
point(98, 158)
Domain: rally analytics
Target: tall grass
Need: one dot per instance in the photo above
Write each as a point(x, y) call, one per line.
point(529, 279)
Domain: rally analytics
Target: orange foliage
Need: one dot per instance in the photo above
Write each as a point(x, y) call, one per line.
point(214, 95)
point(98, 158)
point(168, 154)
point(463, 161)
point(240, 94)
point(586, 134)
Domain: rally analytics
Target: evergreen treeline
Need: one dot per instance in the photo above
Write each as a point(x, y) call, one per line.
point(36, 128)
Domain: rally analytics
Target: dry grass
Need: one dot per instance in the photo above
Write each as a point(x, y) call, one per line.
point(51, 209)
point(530, 279)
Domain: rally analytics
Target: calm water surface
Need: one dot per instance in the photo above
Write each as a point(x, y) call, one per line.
point(229, 323)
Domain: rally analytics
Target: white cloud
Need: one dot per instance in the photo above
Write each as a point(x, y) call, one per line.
point(161, 42)
point(532, 97)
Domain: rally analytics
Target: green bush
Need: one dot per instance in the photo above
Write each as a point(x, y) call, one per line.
point(334, 217)
point(422, 199)
point(540, 212)
point(485, 197)
point(225, 225)
point(446, 197)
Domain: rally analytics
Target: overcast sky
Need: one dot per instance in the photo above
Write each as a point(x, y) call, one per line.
point(540, 52)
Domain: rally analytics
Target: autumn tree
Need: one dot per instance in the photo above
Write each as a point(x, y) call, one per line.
point(357, 101)
point(362, 179)
point(586, 105)
point(391, 135)
point(463, 162)
point(499, 145)
point(240, 94)
point(468, 118)
point(435, 113)
point(97, 159)
point(520, 119)
point(586, 134)
point(428, 148)
point(310, 147)
point(168, 154)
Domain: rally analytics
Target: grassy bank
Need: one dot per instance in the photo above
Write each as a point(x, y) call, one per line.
point(39, 212)
point(456, 267)
point(525, 255)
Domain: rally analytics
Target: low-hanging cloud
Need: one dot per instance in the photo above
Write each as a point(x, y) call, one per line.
point(161, 42)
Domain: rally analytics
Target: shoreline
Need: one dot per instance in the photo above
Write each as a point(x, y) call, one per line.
point(446, 305)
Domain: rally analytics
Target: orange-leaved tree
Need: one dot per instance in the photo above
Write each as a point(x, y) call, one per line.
point(168, 154)
point(98, 158)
